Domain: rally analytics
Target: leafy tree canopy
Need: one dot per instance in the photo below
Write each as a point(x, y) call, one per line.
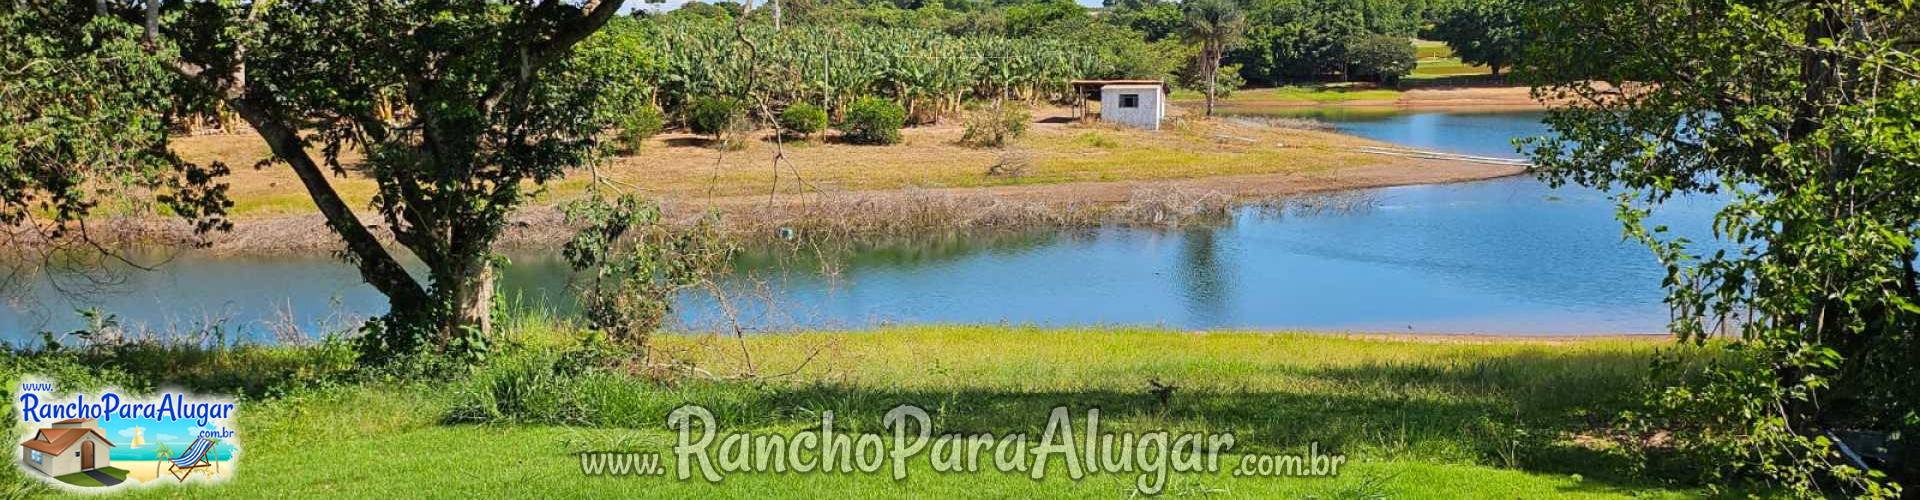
point(1806, 117)
point(457, 107)
point(1486, 33)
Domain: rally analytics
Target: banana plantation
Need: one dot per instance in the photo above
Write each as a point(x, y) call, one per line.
point(929, 73)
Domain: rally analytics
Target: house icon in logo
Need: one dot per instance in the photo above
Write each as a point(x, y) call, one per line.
point(66, 447)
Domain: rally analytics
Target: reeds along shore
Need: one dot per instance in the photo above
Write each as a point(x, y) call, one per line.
point(841, 218)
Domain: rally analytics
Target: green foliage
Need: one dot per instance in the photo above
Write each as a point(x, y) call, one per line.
point(700, 11)
point(873, 120)
point(1096, 140)
point(1804, 117)
point(1483, 32)
point(1381, 58)
point(714, 116)
point(1217, 23)
point(84, 116)
point(1157, 20)
point(1119, 53)
point(803, 119)
point(496, 105)
point(994, 125)
point(622, 61)
point(1297, 40)
point(1029, 18)
point(631, 265)
point(1215, 26)
point(929, 73)
point(537, 386)
point(1226, 80)
point(103, 354)
point(639, 125)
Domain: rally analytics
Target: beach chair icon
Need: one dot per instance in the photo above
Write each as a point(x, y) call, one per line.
point(194, 458)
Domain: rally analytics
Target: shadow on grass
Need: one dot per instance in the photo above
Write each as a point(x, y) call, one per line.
point(249, 370)
point(1514, 411)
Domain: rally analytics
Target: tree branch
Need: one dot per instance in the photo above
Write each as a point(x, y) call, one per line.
point(537, 54)
point(377, 266)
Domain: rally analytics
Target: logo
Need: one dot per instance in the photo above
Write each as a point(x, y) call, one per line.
point(108, 440)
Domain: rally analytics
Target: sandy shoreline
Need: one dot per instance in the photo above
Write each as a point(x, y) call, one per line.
point(983, 208)
point(930, 183)
point(1438, 98)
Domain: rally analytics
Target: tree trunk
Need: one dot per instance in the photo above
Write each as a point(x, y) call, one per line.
point(471, 295)
point(377, 266)
point(1212, 67)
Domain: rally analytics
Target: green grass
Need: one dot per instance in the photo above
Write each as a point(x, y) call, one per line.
point(1429, 49)
point(1445, 67)
point(1419, 419)
point(82, 479)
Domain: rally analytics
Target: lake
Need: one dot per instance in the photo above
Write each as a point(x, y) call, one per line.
point(1507, 256)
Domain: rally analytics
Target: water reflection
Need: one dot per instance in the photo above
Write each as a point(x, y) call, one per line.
point(1204, 278)
point(1509, 255)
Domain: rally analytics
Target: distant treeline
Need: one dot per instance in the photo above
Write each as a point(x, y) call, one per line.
point(932, 57)
point(1286, 41)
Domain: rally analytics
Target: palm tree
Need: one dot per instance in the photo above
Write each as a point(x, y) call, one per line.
point(1216, 25)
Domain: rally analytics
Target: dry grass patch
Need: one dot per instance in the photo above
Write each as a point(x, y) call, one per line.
point(681, 166)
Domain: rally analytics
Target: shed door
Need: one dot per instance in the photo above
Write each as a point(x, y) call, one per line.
point(86, 455)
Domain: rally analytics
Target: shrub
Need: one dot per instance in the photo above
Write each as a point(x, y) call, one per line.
point(1381, 58)
point(1012, 163)
point(994, 125)
point(802, 119)
point(1226, 79)
point(714, 116)
point(1097, 140)
point(629, 264)
point(872, 120)
point(638, 126)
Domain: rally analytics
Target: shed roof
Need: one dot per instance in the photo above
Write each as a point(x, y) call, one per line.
point(56, 441)
point(1091, 85)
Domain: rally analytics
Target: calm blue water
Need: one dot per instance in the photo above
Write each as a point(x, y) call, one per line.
point(1502, 256)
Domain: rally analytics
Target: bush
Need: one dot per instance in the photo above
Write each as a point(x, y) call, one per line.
point(1096, 140)
point(1226, 79)
point(994, 125)
point(872, 120)
point(629, 264)
point(714, 116)
point(1012, 163)
point(802, 119)
point(1381, 58)
point(640, 125)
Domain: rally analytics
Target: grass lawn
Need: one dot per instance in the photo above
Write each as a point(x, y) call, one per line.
point(1436, 60)
point(82, 479)
point(1418, 418)
point(1445, 67)
point(1429, 49)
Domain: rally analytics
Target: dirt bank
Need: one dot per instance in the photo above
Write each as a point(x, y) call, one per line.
point(1470, 97)
point(1463, 98)
point(1079, 174)
point(871, 212)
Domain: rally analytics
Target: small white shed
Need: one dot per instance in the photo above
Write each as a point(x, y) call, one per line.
point(1136, 103)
